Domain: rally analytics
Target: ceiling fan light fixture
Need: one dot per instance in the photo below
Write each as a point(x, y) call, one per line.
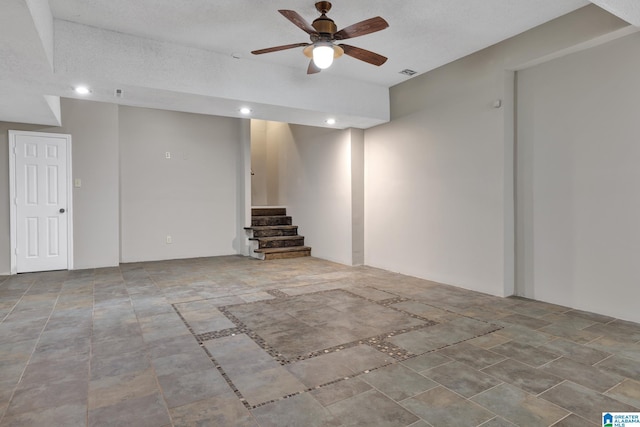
point(326, 41)
point(323, 55)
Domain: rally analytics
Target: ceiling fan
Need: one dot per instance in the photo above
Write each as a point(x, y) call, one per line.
point(324, 34)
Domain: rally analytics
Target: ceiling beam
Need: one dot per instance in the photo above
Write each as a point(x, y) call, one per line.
point(106, 60)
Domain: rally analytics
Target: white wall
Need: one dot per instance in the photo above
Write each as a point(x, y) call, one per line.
point(192, 196)
point(314, 183)
point(439, 177)
point(132, 197)
point(357, 195)
point(94, 130)
point(579, 180)
point(433, 195)
point(259, 165)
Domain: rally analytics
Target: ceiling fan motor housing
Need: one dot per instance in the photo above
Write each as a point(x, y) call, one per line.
point(323, 24)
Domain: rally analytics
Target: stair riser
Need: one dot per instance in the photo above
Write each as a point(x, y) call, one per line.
point(268, 211)
point(274, 233)
point(270, 220)
point(282, 243)
point(286, 255)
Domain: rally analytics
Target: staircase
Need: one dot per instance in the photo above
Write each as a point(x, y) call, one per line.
point(273, 235)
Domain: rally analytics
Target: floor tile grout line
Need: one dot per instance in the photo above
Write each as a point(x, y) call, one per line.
point(146, 345)
point(497, 363)
point(367, 340)
point(336, 381)
point(554, 360)
point(471, 311)
point(18, 300)
point(468, 399)
point(539, 396)
point(489, 389)
point(381, 338)
point(439, 308)
point(611, 388)
point(93, 313)
point(595, 365)
point(217, 365)
point(241, 325)
point(35, 345)
point(564, 380)
point(488, 421)
point(281, 295)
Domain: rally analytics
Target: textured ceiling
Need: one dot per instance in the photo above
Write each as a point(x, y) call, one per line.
point(422, 34)
point(629, 10)
point(194, 55)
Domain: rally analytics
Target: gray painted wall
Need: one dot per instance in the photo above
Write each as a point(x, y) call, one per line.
point(357, 195)
point(94, 130)
point(438, 179)
point(439, 199)
point(132, 197)
point(190, 197)
point(579, 180)
point(259, 167)
point(309, 172)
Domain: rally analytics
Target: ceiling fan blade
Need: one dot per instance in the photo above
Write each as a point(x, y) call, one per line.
point(361, 28)
point(363, 54)
point(298, 20)
point(277, 48)
point(313, 68)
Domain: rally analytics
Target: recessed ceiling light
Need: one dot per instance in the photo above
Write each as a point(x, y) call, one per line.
point(82, 90)
point(331, 121)
point(245, 110)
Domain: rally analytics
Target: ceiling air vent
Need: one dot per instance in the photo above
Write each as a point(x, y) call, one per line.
point(408, 72)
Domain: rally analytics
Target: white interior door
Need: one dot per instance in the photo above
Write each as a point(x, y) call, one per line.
point(41, 221)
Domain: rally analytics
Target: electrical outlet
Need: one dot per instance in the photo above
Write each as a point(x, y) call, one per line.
point(167, 155)
point(169, 240)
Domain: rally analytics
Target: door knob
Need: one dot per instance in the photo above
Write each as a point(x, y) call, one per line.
point(61, 210)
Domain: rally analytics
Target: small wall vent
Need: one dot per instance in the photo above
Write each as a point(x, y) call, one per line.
point(408, 72)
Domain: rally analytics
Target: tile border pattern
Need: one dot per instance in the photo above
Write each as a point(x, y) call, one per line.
point(378, 342)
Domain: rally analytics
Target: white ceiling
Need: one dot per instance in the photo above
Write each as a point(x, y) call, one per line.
point(194, 55)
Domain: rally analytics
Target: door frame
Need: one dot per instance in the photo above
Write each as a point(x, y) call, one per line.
point(12, 195)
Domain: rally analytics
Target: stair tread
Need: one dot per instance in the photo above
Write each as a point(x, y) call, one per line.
point(278, 250)
point(276, 238)
point(271, 227)
point(268, 210)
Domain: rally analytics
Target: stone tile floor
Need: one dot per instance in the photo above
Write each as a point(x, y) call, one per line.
point(231, 341)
